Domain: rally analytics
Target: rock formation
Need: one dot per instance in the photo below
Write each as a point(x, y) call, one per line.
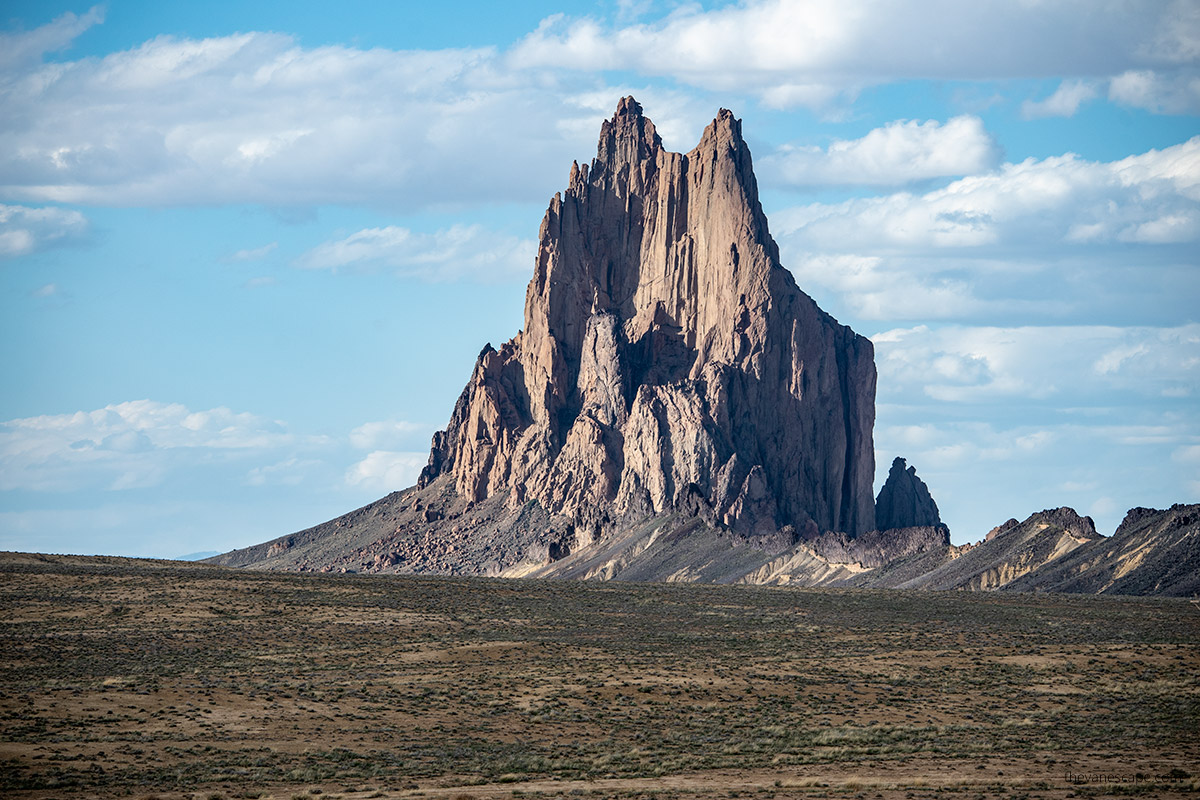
point(434, 531)
point(1011, 551)
point(676, 409)
point(877, 548)
point(668, 360)
point(1152, 552)
point(904, 500)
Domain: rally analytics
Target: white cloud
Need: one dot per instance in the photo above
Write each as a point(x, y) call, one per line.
point(289, 472)
point(17, 49)
point(254, 254)
point(1071, 365)
point(1042, 239)
point(941, 446)
point(254, 117)
point(1171, 93)
point(218, 477)
point(874, 288)
point(387, 434)
point(806, 52)
point(1153, 197)
point(126, 445)
point(900, 152)
point(24, 230)
point(456, 252)
point(387, 471)
point(628, 10)
point(1065, 101)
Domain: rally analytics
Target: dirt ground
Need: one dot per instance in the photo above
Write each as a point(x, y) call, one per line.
point(123, 678)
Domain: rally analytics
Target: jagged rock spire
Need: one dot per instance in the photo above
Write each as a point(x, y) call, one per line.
point(904, 500)
point(668, 360)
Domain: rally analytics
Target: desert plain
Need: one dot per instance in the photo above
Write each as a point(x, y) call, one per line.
point(154, 679)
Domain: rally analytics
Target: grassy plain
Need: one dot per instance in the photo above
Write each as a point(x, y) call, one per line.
point(154, 679)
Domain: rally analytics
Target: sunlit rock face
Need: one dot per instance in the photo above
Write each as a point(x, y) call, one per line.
point(668, 361)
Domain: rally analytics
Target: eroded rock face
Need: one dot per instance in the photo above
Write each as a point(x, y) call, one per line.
point(668, 360)
point(904, 500)
point(876, 548)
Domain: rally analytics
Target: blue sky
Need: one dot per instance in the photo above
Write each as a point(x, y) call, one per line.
point(249, 252)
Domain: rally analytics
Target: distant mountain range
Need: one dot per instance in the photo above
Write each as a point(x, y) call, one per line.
point(198, 556)
point(677, 409)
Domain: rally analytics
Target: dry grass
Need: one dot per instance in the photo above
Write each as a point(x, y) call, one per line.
point(123, 679)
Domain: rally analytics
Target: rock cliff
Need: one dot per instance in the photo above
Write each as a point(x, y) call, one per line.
point(668, 361)
point(904, 500)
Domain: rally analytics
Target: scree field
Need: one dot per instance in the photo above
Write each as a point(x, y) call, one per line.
point(157, 679)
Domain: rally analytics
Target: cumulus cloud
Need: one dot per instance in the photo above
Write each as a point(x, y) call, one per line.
point(254, 117)
point(387, 471)
point(901, 152)
point(125, 445)
point(969, 248)
point(1065, 101)
point(456, 252)
point(1153, 197)
point(1065, 365)
point(190, 468)
point(807, 52)
point(24, 230)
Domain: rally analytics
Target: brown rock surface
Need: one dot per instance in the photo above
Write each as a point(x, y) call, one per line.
point(668, 360)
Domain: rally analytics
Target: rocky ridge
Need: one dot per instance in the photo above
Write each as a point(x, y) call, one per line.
point(431, 531)
point(1009, 552)
point(1152, 552)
